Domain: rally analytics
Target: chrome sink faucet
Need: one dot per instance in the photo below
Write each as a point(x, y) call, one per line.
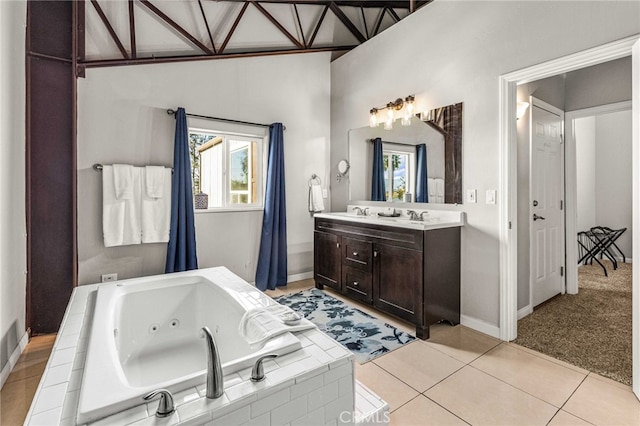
point(360, 211)
point(215, 382)
point(413, 215)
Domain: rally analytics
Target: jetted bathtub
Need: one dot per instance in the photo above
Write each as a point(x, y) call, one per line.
point(146, 336)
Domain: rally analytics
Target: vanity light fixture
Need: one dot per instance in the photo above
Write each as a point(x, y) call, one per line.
point(521, 109)
point(405, 105)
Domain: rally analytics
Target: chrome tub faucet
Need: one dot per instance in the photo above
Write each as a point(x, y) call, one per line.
point(215, 382)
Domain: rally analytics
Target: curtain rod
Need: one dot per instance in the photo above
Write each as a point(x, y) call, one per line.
point(227, 120)
point(394, 143)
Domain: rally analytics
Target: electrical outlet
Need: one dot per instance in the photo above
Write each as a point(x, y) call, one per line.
point(109, 277)
point(471, 195)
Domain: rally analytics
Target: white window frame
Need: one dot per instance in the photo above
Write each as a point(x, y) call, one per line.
point(261, 169)
point(390, 149)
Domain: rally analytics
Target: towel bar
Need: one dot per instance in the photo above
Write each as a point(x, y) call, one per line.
point(98, 167)
point(314, 178)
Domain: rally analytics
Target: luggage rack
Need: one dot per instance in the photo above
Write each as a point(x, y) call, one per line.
point(599, 240)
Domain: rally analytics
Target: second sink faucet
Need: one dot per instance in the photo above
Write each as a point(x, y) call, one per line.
point(413, 215)
point(215, 380)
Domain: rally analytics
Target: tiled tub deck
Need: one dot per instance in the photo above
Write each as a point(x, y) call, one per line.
point(313, 385)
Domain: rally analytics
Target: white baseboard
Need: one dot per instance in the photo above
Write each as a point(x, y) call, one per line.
point(299, 277)
point(524, 311)
point(13, 359)
point(481, 326)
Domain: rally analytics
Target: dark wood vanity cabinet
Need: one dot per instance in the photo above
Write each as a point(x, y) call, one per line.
point(412, 274)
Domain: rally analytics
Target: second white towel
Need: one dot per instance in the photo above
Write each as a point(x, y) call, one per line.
point(156, 211)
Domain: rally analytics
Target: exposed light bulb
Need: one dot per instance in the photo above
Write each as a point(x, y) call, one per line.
point(390, 116)
point(408, 111)
point(373, 118)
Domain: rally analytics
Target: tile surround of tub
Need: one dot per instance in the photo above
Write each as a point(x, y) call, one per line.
point(316, 381)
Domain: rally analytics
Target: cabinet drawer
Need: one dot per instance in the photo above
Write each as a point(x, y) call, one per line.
point(357, 283)
point(357, 253)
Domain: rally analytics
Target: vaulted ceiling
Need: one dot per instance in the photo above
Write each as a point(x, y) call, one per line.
point(119, 32)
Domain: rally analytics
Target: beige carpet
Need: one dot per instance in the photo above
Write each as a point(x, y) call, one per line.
point(591, 329)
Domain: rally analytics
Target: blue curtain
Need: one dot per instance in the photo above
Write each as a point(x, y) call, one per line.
point(377, 175)
point(422, 188)
point(272, 258)
point(181, 252)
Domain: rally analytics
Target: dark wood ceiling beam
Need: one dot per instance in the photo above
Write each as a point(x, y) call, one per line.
point(176, 27)
point(393, 14)
point(317, 28)
point(206, 23)
point(132, 31)
point(364, 20)
point(277, 24)
point(233, 27)
point(346, 21)
point(110, 29)
point(406, 4)
point(189, 58)
point(304, 42)
point(376, 27)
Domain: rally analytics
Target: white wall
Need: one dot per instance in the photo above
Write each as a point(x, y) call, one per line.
point(122, 118)
point(613, 206)
point(13, 261)
point(585, 136)
point(453, 51)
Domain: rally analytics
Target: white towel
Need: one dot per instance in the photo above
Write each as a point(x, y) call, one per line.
point(260, 324)
point(316, 203)
point(120, 217)
point(439, 190)
point(123, 181)
point(431, 185)
point(154, 181)
point(156, 211)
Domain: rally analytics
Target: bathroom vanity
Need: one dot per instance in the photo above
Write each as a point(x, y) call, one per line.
point(408, 268)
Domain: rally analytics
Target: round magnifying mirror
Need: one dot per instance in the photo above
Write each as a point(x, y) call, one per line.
point(343, 167)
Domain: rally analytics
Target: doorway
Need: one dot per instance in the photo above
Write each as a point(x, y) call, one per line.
point(508, 177)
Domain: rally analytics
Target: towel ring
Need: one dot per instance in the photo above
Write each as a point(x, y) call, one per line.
point(314, 178)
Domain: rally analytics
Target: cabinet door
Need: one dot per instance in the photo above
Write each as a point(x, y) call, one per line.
point(326, 254)
point(397, 281)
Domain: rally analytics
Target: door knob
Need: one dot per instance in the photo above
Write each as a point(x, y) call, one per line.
point(535, 203)
point(536, 217)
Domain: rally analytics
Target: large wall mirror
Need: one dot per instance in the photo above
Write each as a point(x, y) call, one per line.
point(440, 130)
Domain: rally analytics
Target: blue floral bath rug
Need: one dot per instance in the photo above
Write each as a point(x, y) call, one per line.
point(364, 335)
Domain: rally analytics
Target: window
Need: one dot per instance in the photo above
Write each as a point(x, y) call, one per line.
point(398, 178)
point(228, 168)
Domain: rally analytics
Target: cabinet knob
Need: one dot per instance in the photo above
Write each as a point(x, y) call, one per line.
point(375, 253)
point(355, 283)
point(355, 253)
point(338, 245)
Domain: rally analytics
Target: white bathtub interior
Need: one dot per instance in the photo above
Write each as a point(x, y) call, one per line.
point(147, 335)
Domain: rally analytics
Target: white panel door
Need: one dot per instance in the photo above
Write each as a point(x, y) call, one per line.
point(547, 220)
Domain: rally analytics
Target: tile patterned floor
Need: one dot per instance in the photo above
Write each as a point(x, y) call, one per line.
point(460, 376)
point(457, 377)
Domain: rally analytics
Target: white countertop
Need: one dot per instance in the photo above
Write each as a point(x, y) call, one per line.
point(432, 219)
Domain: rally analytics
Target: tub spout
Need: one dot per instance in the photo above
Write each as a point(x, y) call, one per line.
point(215, 382)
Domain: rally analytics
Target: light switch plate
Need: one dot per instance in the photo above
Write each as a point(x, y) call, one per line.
point(471, 195)
point(491, 196)
point(325, 193)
